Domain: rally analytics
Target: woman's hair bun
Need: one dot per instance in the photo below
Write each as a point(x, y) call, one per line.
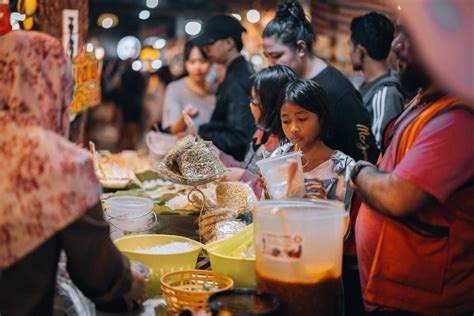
point(290, 8)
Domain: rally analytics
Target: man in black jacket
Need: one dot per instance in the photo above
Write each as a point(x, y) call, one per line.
point(231, 126)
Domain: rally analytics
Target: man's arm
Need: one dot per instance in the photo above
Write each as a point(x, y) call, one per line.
point(437, 164)
point(388, 194)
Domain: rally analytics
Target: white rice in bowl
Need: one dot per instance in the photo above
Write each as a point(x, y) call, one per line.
point(166, 249)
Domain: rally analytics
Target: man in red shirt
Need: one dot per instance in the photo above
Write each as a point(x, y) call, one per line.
point(415, 229)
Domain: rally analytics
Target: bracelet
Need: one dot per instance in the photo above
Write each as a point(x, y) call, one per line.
point(357, 168)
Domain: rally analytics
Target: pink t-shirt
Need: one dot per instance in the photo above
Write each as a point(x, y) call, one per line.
point(439, 162)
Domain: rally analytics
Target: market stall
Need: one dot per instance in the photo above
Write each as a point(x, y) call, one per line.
point(178, 214)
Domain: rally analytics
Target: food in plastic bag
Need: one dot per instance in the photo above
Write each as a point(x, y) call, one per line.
point(192, 159)
point(227, 228)
point(199, 161)
point(177, 150)
point(235, 195)
point(208, 221)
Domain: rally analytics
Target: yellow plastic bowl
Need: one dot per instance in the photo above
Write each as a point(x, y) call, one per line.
point(159, 263)
point(224, 257)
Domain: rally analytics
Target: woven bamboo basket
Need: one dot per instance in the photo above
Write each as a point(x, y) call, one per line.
point(191, 288)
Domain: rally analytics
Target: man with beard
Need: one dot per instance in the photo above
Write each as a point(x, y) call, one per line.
point(370, 41)
point(415, 228)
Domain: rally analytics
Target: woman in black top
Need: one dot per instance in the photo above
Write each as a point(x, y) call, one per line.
point(288, 40)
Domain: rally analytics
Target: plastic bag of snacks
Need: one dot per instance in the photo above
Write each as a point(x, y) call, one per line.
point(191, 162)
point(235, 195)
point(228, 228)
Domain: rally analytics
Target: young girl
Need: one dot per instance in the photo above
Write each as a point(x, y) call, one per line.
point(304, 122)
point(267, 86)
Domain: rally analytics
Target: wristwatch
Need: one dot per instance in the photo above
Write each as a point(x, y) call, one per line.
point(358, 167)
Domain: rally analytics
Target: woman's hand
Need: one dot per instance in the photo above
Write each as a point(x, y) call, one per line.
point(180, 124)
point(136, 294)
point(317, 186)
point(191, 110)
point(181, 135)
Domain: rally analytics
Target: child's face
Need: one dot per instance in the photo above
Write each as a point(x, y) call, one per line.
point(300, 126)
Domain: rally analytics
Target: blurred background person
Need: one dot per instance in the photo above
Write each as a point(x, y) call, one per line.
point(192, 93)
point(155, 97)
point(232, 125)
point(443, 32)
point(130, 101)
point(370, 45)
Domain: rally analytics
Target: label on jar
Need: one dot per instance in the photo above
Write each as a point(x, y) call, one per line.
point(282, 247)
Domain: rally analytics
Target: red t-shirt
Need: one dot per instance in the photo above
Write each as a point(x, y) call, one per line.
point(440, 161)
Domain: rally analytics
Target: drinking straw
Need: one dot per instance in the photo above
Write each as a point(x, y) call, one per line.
point(292, 168)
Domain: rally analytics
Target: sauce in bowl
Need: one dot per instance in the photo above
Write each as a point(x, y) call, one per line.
point(243, 302)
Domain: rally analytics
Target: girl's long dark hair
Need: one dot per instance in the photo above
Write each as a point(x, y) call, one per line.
point(269, 84)
point(310, 96)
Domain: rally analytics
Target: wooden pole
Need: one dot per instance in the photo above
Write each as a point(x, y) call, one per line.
point(51, 17)
point(51, 22)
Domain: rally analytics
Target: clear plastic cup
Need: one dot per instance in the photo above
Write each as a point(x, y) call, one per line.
point(276, 173)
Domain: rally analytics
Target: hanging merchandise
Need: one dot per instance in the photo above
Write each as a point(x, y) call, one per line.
point(4, 17)
point(87, 82)
point(29, 8)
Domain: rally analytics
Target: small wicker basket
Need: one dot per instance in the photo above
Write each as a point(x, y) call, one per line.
point(191, 288)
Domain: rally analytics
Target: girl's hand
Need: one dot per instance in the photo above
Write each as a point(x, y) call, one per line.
point(317, 187)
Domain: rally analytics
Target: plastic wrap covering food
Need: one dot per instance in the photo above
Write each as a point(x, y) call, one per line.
point(228, 228)
point(208, 221)
point(199, 161)
point(235, 195)
point(179, 148)
point(191, 162)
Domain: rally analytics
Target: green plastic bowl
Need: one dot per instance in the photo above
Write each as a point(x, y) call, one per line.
point(225, 258)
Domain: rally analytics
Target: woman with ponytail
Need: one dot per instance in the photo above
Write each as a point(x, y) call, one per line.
point(288, 40)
